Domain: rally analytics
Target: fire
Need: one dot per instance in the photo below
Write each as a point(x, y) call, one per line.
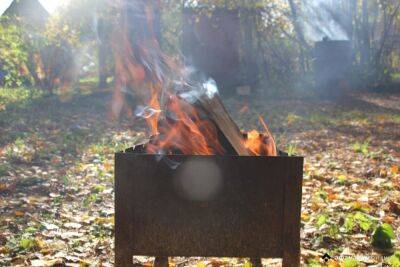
point(261, 144)
point(185, 131)
point(176, 125)
point(154, 104)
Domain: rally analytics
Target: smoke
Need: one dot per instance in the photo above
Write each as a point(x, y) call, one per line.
point(321, 18)
point(146, 111)
point(192, 84)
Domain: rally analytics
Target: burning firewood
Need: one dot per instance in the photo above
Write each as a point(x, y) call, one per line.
point(218, 113)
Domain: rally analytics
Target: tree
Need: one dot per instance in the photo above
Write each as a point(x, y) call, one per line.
point(299, 33)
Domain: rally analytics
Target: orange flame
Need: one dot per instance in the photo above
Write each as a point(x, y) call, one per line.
point(185, 131)
point(152, 121)
point(261, 144)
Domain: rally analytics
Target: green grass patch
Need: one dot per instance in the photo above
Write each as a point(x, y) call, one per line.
point(382, 236)
point(395, 118)
point(358, 220)
point(362, 148)
point(89, 79)
point(291, 150)
point(18, 95)
point(349, 262)
point(292, 118)
point(92, 198)
point(321, 118)
point(394, 260)
point(321, 220)
point(98, 188)
point(341, 179)
point(4, 169)
point(396, 76)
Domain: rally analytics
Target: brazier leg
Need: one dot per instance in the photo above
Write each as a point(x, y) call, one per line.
point(291, 260)
point(123, 260)
point(256, 262)
point(161, 261)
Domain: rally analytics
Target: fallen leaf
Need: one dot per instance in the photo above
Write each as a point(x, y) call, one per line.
point(73, 225)
point(3, 187)
point(332, 196)
point(19, 213)
point(108, 166)
point(4, 250)
point(68, 235)
point(50, 226)
point(394, 207)
point(394, 169)
point(305, 217)
point(46, 263)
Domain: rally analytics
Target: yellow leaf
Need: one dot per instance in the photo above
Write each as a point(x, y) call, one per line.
point(40, 243)
point(102, 220)
point(357, 205)
point(108, 166)
point(201, 264)
point(315, 206)
point(342, 178)
point(305, 217)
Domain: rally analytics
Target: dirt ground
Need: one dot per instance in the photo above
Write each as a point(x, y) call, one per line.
point(56, 176)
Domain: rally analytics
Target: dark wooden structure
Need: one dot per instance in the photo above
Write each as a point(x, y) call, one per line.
point(220, 43)
point(222, 206)
point(211, 43)
point(332, 66)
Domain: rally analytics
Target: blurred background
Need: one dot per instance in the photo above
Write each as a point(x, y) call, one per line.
point(270, 46)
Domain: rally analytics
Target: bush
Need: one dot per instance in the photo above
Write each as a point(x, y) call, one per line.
point(13, 56)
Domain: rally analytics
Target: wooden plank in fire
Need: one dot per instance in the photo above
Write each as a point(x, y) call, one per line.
point(214, 107)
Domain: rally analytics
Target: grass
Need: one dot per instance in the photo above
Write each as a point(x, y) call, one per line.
point(291, 150)
point(90, 79)
point(321, 118)
point(292, 118)
point(361, 147)
point(396, 76)
point(20, 95)
point(396, 118)
point(4, 169)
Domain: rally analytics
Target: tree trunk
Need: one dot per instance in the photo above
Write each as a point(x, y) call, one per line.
point(102, 52)
point(366, 44)
point(352, 14)
point(300, 35)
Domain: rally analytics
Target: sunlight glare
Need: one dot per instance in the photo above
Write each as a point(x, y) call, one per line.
point(52, 5)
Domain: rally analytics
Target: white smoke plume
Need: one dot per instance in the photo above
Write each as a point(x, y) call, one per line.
point(318, 20)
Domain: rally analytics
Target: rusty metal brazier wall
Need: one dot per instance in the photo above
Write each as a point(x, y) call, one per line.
point(222, 206)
